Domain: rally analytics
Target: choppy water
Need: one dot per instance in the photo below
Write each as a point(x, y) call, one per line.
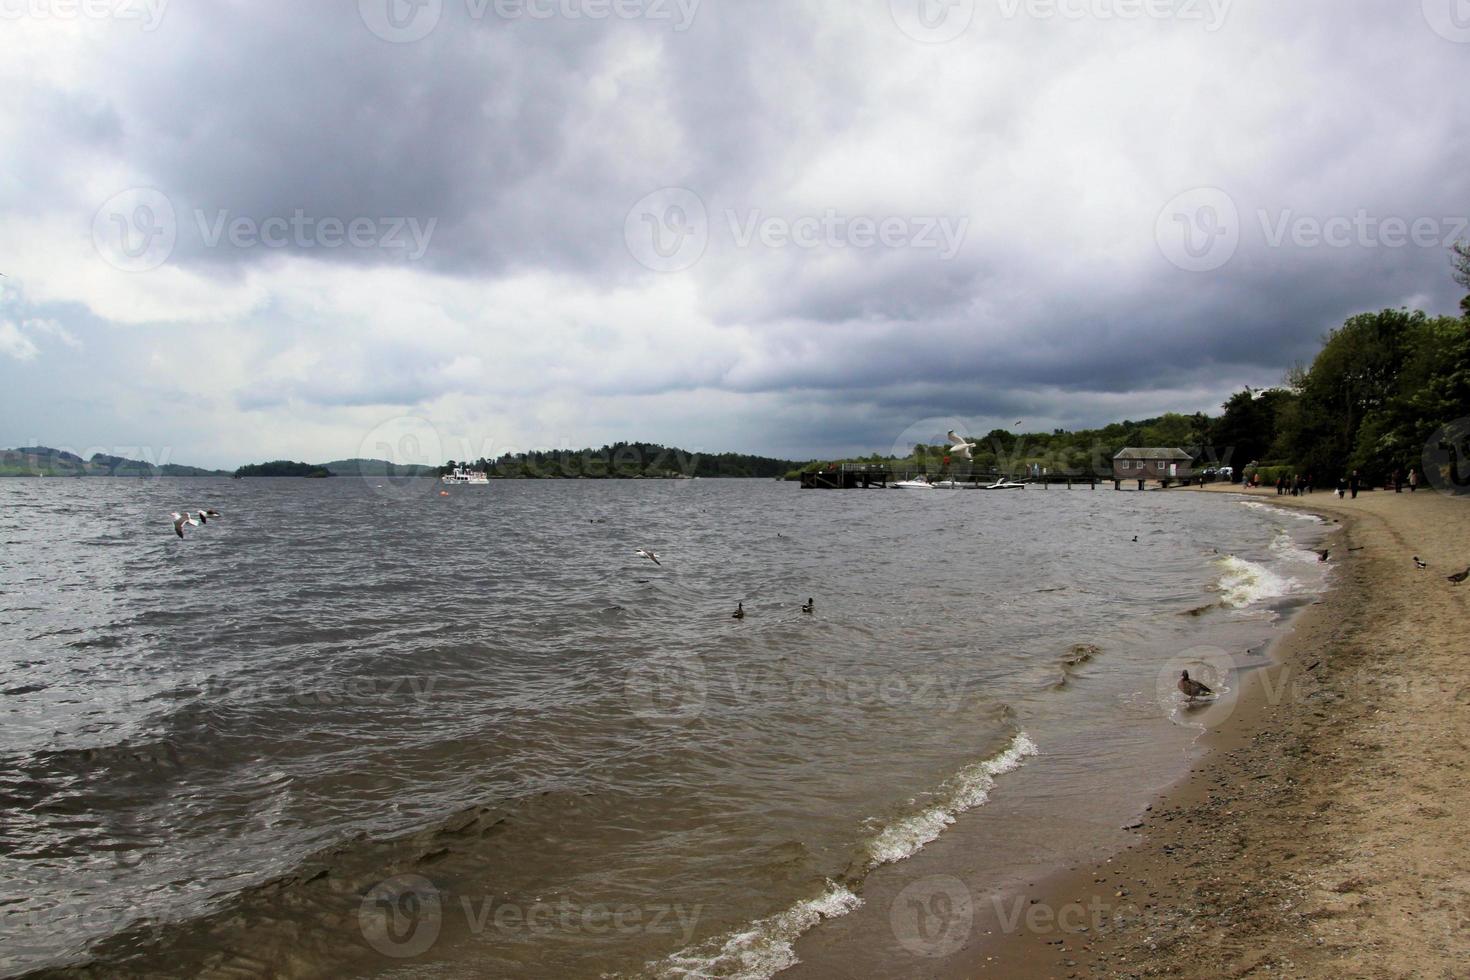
point(348, 729)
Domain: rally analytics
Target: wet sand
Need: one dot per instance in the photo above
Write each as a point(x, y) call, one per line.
point(1316, 835)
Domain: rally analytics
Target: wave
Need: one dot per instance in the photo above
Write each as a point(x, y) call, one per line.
point(762, 949)
point(1283, 547)
point(1293, 513)
point(967, 789)
point(767, 946)
point(1244, 583)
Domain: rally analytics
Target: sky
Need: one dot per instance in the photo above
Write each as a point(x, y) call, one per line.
point(430, 229)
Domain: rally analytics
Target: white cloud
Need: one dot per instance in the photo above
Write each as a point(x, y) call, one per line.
point(15, 344)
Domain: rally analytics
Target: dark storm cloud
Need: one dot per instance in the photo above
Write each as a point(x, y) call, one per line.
point(520, 144)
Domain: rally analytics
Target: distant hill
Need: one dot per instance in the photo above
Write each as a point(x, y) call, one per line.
point(45, 461)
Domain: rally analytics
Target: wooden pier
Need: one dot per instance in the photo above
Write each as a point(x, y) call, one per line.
point(876, 476)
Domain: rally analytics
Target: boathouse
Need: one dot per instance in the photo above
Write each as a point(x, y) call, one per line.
point(1153, 464)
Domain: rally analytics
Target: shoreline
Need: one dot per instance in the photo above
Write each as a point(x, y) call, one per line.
point(1316, 835)
point(1310, 833)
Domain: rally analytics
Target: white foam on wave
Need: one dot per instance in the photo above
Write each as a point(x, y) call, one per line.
point(1284, 548)
point(1299, 515)
point(762, 949)
point(967, 789)
point(767, 946)
point(1244, 583)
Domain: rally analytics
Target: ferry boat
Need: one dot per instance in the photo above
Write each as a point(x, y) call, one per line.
point(463, 477)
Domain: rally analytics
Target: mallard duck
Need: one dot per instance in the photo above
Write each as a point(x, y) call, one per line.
point(739, 612)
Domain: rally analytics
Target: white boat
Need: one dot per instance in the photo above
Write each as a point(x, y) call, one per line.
point(465, 477)
point(917, 483)
point(1004, 484)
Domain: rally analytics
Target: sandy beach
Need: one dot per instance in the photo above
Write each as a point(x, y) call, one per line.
point(1320, 835)
point(1314, 835)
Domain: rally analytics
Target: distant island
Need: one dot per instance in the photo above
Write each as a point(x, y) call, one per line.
point(626, 461)
point(282, 467)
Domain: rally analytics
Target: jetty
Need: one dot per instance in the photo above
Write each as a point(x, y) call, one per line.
point(879, 476)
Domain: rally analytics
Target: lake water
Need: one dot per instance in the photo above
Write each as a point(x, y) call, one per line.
point(361, 729)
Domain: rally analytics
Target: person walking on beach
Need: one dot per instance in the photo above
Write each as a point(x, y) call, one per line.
point(1413, 480)
point(1341, 486)
point(1353, 484)
point(1398, 481)
point(1281, 484)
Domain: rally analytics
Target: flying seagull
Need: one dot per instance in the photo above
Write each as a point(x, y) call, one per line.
point(205, 515)
point(1191, 688)
point(1459, 577)
point(645, 553)
point(959, 446)
point(180, 520)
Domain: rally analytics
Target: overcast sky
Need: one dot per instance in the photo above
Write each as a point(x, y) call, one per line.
point(247, 229)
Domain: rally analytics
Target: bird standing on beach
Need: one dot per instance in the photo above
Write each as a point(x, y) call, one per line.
point(1459, 577)
point(180, 520)
point(959, 446)
point(1191, 688)
point(1421, 565)
point(809, 607)
point(645, 553)
point(739, 612)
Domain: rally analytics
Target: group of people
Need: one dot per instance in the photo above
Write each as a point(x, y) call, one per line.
point(1298, 484)
point(1351, 484)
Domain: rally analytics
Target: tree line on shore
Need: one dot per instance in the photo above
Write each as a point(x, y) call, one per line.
point(625, 461)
